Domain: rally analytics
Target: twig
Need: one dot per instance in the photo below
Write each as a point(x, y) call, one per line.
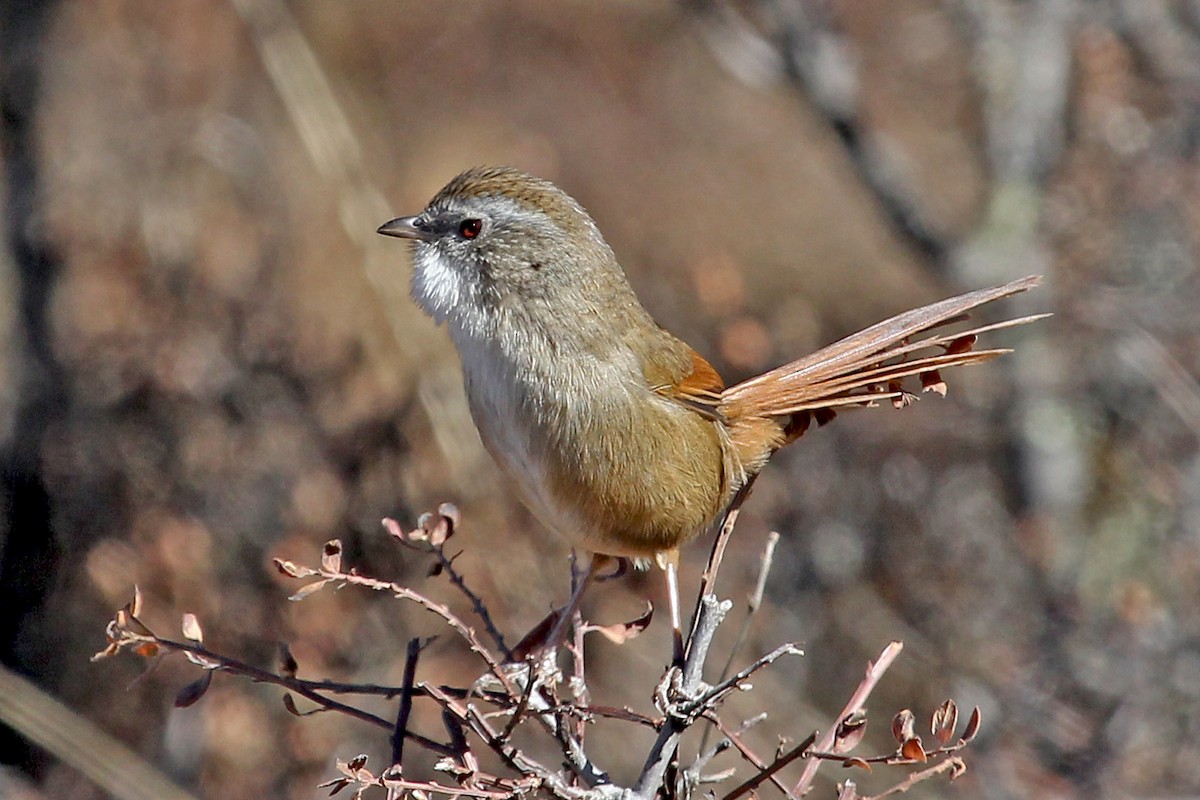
point(514, 758)
point(955, 766)
point(477, 604)
point(718, 691)
point(406, 698)
point(875, 671)
point(798, 751)
point(300, 687)
point(734, 738)
point(753, 602)
point(709, 578)
point(709, 614)
point(447, 566)
point(439, 609)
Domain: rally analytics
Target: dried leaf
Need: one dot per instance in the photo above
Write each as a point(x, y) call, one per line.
point(943, 722)
point(622, 632)
point(536, 637)
point(437, 528)
point(972, 725)
point(308, 589)
point(450, 513)
point(193, 691)
point(331, 556)
point(962, 344)
point(191, 629)
point(112, 649)
point(287, 662)
point(290, 705)
point(147, 650)
point(931, 381)
point(913, 751)
point(127, 620)
point(903, 726)
point(850, 731)
point(293, 570)
point(421, 534)
point(394, 529)
point(855, 761)
point(337, 783)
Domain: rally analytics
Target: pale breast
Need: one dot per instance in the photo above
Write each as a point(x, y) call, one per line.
point(597, 458)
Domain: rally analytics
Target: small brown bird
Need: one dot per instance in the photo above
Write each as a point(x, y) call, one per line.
point(621, 437)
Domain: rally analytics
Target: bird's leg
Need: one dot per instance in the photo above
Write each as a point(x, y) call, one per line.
point(558, 634)
point(677, 653)
point(668, 562)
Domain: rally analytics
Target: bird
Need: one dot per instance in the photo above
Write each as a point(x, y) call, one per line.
point(620, 437)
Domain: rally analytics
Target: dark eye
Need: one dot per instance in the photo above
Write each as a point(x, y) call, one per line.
point(470, 228)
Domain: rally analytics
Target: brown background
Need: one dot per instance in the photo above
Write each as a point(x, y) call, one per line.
point(210, 359)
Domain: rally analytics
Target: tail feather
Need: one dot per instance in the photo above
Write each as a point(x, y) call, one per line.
point(869, 365)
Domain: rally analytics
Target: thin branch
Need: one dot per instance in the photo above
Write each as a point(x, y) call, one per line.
point(406, 698)
point(955, 766)
point(439, 609)
point(735, 738)
point(708, 616)
point(717, 692)
point(753, 602)
point(447, 566)
point(875, 671)
point(717, 554)
point(300, 687)
point(799, 751)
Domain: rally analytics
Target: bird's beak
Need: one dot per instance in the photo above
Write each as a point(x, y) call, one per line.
point(404, 228)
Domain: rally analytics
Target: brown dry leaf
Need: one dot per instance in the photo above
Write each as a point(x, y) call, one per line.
point(944, 721)
point(135, 608)
point(337, 785)
point(855, 761)
point(394, 529)
point(622, 632)
point(850, 731)
point(287, 662)
point(972, 725)
point(536, 637)
point(191, 629)
point(129, 621)
point(962, 344)
point(450, 513)
point(193, 691)
point(308, 589)
point(331, 556)
point(913, 751)
point(293, 570)
point(932, 382)
point(903, 726)
point(147, 650)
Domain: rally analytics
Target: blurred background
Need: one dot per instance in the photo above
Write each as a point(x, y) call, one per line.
point(209, 359)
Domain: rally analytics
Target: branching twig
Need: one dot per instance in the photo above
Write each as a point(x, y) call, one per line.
point(799, 751)
point(875, 671)
point(523, 691)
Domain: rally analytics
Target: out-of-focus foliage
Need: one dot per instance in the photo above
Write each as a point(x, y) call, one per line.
point(209, 360)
